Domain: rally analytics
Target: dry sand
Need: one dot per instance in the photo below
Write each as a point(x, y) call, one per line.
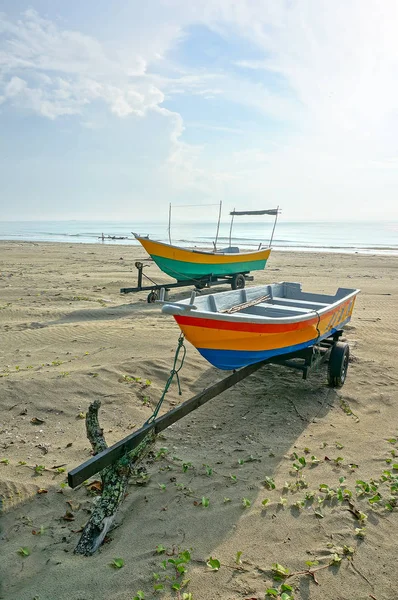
point(68, 337)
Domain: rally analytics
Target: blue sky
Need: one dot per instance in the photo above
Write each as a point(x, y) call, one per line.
point(114, 109)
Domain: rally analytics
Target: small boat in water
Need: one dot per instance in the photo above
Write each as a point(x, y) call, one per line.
point(242, 327)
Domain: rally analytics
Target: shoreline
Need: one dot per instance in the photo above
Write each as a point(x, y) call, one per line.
point(371, 251)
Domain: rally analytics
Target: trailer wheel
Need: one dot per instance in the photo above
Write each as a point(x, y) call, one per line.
point(238, 282)
point(152, 296)
point(338, 365)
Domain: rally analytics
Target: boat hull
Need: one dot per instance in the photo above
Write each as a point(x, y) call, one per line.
point(228, 344)
point(183, 264)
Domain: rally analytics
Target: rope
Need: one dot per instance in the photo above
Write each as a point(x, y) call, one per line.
point(316, 346)
point(151, 280)
point(174, 372)
point(317, 326)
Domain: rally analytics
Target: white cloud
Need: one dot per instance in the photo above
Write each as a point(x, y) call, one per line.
point(205, 126)
point(337, 63)
point(34, 43)
point(14, 87)
point(253, 64)
point(55, 72)
point(340, 60)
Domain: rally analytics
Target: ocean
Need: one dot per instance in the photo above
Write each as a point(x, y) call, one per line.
point(362, 237)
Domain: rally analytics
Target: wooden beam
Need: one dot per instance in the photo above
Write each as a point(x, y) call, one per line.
point(105, 458)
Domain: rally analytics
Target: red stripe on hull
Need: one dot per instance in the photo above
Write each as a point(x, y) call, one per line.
point(250, 327)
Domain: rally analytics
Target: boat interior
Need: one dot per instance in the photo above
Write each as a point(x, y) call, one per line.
point(276, 301)
point(229, 250)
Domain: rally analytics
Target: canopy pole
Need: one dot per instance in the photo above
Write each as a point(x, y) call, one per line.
point(218, 227)
point(230, 229)
point(273, 229)
point(169, 223)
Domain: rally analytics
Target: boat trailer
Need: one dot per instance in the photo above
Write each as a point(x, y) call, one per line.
point(331, 349)
point(235, 280)
point(118, 462)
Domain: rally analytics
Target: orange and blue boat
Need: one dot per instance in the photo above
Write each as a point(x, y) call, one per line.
point(187, 264)
point(237, 328)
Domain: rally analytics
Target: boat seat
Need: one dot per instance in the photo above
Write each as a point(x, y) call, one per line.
point(274, 310)
point(287, 308)
point(293, 302)
point(229, 250)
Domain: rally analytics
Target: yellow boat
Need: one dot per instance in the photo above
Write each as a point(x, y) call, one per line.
point(185, 264)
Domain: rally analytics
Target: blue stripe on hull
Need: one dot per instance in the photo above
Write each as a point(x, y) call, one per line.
point(228, 360)
point(235, 359)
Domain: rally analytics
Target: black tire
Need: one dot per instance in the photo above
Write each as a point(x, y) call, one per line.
point(338, 365)
point(238, 282)
point(152, 296)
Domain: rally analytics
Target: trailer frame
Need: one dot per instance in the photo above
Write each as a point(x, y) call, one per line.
point(236, 281)
point(304, 360)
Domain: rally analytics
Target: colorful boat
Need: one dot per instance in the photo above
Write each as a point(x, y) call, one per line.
point(238, 328)
point(186, 264)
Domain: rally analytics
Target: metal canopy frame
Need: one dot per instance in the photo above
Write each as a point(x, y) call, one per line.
point(238, 213)
point(269, 211)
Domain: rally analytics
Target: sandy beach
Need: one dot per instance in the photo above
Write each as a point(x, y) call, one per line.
point(69, 337)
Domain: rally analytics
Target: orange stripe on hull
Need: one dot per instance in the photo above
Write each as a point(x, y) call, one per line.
point(233, 335)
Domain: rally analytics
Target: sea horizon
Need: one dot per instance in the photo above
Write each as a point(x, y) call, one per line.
point(377, 237)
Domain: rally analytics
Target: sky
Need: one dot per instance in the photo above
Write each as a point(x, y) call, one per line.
point(112, 110)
